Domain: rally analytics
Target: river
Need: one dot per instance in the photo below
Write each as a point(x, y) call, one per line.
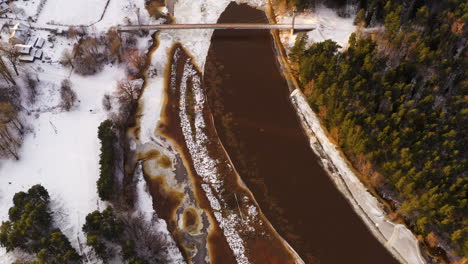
point(260, 131)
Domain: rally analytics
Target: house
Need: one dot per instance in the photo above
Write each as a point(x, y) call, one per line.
point(33, 41)
point(26, 58)
point(18, 37)
point(23, 49)
point(4, 7)
point(37, 53)
point(39, 43)
point(20, 34)
point(21, 27)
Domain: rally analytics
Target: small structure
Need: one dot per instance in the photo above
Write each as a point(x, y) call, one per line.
point(20, 34)
point(4, 7)
point(26, 58)
point(39, 43)
point(37, 53)
point(21, 27)
point(33, 41)
point(18, 37)
point(23, 49)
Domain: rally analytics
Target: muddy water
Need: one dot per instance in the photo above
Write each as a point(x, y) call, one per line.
point(258, 127)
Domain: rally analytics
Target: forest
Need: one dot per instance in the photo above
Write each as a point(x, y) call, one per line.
point(31, 229)
point(396, 102)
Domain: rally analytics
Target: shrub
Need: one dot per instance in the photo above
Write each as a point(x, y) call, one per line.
point(67, 94)
point(104, 230)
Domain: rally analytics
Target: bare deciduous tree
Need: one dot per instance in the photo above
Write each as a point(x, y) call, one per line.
point(73, 33)
point(114, 43)
point(67, 94)
point(128, 90)
point(30, 81)
point(11, 128)
point(136, 62)
point(106, 102)
point(5, 72)
point(12, 55)
point(67, 58)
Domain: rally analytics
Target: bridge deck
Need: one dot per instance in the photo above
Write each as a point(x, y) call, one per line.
point(216, 26)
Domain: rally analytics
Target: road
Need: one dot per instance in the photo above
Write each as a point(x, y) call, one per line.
point(299, 27)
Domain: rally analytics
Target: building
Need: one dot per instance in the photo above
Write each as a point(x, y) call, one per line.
point(26, 58)
point(21, 27)
point(37, 53)
point(23, 49)
point(39, 43)
point(20, 34)
point(4, 8)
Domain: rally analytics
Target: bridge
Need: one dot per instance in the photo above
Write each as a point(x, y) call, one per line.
point(231, 26)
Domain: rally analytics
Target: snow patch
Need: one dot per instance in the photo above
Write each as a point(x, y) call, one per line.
point(328, 25)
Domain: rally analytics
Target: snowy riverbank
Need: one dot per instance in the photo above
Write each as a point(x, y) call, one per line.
point(395, 237)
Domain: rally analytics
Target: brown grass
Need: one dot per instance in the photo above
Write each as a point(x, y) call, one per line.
point(165, 162)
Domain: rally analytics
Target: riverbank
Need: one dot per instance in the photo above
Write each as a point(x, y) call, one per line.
point(396, 238)
point(198, 192)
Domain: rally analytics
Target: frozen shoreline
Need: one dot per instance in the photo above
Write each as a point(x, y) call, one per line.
point(395, 237)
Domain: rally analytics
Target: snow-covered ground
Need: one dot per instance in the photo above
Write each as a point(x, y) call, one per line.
point(82, 12)
point(62, 151)
point(328, 25)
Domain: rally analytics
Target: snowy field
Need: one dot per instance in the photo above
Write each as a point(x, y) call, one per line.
point(62, 150)
point(25, 8)
point(82, 12)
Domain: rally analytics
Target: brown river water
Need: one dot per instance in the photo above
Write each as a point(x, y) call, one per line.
point(260, 131)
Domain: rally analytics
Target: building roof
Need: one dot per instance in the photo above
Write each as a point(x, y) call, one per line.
point(23, 49)
point(33, 41)
point(26, 58)
point(37, 53)
point(4, 7)
point(19, 35)
point(39, 43)
point(21, 27)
